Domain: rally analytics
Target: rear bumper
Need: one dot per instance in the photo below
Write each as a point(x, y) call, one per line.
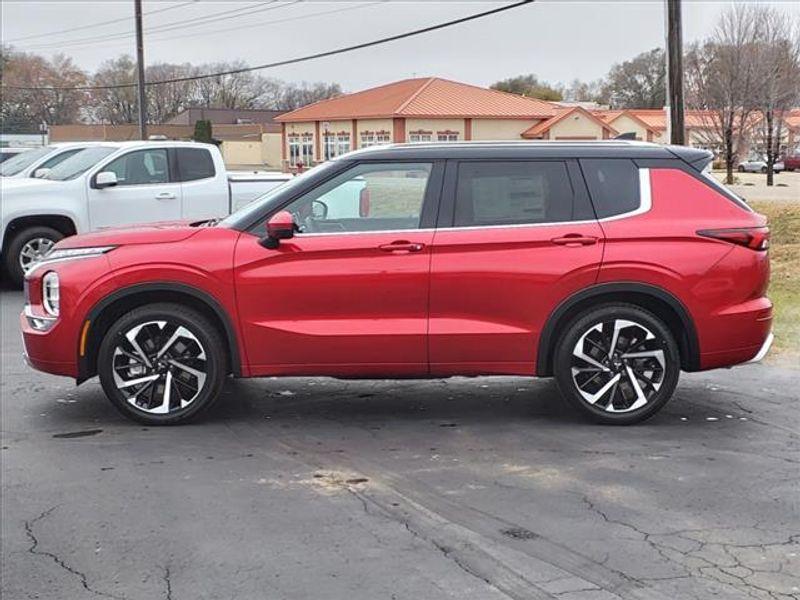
point(764, 350)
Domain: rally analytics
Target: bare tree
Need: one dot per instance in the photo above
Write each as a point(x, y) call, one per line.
point(637, 83)
point(24, 110)
point(293, 96)
point(167, 100)
point(528, 85)
point(722, 78)
point(778, 56)
point(115, 106)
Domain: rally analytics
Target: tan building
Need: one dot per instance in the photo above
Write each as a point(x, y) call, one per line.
point(412, 110)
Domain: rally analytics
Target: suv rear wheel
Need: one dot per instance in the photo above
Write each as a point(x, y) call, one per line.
point(162, 364)
point(617, 363)
point(26, 248)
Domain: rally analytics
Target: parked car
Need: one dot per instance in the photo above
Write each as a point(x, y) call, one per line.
point(611, 266)
point(247, 186)
point(758, 165)
point(8, 153)
point(791, 161)
point(113, 184)
point(38, 161)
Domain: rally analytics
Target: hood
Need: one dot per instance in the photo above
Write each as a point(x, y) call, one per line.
point(21, 193)
point(152, 233)
point(12, 184)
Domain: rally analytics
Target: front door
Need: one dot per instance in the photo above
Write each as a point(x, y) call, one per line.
point(348, 294)
point(145, 192)
point(519, 237)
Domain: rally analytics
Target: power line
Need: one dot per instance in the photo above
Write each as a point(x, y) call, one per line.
point(216, 31)
point(173, 25)
point(289, 61)
point(98, 24)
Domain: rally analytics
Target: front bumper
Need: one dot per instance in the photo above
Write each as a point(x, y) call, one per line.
point(48, 351)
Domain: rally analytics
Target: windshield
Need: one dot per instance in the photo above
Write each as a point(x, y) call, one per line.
point(80, 162)
point(243, 216)
point(23, 160)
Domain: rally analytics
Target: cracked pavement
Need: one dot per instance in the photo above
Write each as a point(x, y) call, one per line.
point(475, 489)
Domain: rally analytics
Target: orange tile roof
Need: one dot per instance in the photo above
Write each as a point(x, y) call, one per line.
point(609, 116)
point(429, 97)
point(792, 118)
point(562, 114)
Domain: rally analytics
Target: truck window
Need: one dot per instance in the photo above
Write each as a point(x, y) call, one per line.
point(512, 193)
point(194, 163)
point(141, 167)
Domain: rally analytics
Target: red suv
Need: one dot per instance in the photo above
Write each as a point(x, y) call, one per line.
point(609, 265)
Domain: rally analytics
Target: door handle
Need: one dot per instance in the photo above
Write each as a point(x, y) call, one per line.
point(573, 240)
point(165, 196)
point(401, 247)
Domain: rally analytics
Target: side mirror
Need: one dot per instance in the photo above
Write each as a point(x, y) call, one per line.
point(279, 227)
point(105, 179)
point(41, 173)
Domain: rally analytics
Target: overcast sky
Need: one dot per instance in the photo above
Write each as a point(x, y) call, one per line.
point(558, 40)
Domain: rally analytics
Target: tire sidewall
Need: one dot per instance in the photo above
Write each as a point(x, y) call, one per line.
point(12, 266)
point(205, 332)
point(579, 325)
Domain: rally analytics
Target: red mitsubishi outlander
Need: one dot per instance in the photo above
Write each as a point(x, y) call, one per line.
point(611, 266)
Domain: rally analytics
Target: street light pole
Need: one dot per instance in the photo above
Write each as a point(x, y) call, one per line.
point(675, 72)
point(140, 71)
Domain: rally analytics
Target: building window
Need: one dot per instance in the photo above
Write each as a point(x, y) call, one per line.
point(420, 136)
point(446, 136)
point(307, 148)
point(374, 138)
point(336, 144)
point(294, 148)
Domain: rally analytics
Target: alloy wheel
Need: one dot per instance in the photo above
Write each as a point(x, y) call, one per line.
point(33, 251)
point(159, 367)
point(618, 365)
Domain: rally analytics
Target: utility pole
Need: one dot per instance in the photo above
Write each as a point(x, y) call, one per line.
point(675, 73)
point(140, 70)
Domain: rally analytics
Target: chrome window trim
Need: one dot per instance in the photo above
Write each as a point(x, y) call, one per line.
point(645, 205)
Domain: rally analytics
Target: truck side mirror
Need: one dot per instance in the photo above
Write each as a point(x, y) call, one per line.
point(279, 227)
point(41, 172)
point(105, 179)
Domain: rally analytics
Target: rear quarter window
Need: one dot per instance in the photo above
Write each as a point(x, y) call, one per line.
point(194, 164)
point(613, 185)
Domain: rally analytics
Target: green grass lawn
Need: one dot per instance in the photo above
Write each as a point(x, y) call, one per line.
point(784, 288)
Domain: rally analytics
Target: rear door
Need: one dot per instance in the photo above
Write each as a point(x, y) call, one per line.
point(515, 238)
point(145, 191)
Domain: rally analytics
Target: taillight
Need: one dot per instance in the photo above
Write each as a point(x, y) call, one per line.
point(755, 238)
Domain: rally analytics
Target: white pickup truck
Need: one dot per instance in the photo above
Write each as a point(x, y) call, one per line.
point(116, 184)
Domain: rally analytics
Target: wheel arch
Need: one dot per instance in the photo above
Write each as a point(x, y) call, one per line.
point(655, 299)
point(110, 308)
point(64, 224)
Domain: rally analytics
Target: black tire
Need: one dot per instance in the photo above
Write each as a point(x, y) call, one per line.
point(764, 170)
point(740, 169)
point(18, 241)
point(207, 339)
point(623, 396)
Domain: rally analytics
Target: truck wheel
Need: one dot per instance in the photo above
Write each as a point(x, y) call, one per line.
point(617, 364)
point(162, 364)
point(26, 248)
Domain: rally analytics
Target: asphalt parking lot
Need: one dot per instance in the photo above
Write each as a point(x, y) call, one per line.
point(464, 488)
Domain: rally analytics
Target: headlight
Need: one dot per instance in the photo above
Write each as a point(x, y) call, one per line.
point(50, 293)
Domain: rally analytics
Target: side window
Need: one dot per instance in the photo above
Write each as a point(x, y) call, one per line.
point(613, 184)
point(194, 163)
point(57, 160)
point(513, 193)
point(368, 197)
point(141, 167)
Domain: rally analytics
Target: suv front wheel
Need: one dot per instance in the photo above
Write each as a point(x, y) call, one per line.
point(617, 363)
point(162, 364)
